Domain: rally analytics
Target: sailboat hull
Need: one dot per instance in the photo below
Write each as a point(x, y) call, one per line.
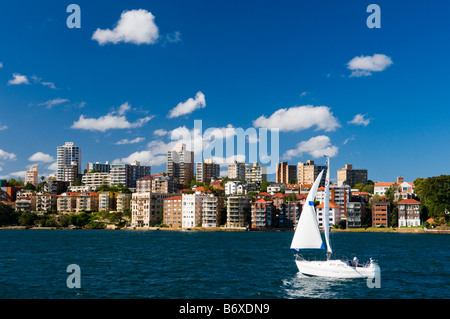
point(334, 269)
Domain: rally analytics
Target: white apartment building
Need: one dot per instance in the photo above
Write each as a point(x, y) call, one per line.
point(235, 187)
point(255, 173)
point(334, 214)
point(272, 189)
point(69, 162)
point(192, 205)
point(96, 180)
point(236, 170)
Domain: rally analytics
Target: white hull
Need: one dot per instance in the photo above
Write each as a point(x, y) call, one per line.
point(334, 269)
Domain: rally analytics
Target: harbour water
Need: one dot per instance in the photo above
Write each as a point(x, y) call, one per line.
point(125, 264)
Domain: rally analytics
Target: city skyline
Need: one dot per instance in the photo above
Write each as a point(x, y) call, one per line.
point(373, 98)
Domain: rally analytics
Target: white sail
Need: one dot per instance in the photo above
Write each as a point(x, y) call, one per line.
point(307, 234)
point(326, 209)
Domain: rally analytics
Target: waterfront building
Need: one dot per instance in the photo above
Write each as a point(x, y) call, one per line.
point(285, 173)
point(292, 189)
point(147, 209)
point(107, 201)
point(54, 186)
point(355, 214)
point(25, 201)
point(68, 162)
point(45, 202)
point(173, 211)
point(86, 202)
point(128, 174)
point(31, 176)
point(160, 183)
point(238, 210)
point(381, 209)
point(340, 195)
point(144, 184)
point(212, 207)
point(350, 176)
point(123, 202)
point(207, 171)
point(261, 214)
point(255, 173)
point(288, 214)
point(236, 171)
point(308, 172)
point(334, 214)
point(180, 164)
point(408, 213)
point(67, 202)
point(192, 209)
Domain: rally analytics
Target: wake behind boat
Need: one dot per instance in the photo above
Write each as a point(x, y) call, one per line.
point(307, 236)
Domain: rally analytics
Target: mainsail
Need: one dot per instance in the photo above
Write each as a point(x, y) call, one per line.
point(307, 234)
point(326, 209)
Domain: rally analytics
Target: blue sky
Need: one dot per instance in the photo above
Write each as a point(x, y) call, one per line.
point(235, 63)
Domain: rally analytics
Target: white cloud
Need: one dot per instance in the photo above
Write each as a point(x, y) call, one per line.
point(299, 118)
point(365, 65)
point(134, 26)
point(41, 157)
point(188, 106)
point(110, 121)
point(127, 141)
point(3, 127)
point(1, 65)
point(7, 156)
point(316, 147)
point(18, 79)
point(49, 84)
point(53, 167)
point(50, 103)
point(160, 132)
point(359, 119)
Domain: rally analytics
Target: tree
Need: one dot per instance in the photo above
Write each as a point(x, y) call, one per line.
point(77, 182)
point(30, 187)
point(7, 215)
point(434, 193)
point(27, 219)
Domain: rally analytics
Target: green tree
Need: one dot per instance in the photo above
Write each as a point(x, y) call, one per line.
point(7, 215)
point(434, 193)
point(27, 219)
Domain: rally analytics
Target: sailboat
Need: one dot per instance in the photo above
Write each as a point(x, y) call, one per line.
point(307, 236)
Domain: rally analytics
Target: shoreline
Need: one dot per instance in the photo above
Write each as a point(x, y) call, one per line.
point(240, 229)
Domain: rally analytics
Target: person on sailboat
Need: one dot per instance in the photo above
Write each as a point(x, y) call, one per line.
point(355, 261)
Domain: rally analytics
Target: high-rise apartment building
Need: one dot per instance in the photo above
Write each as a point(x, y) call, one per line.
point(350, 176)
point(31, 176)
point(173, 211)
point(285, 173)
point(180, 163)
point(206, 171)
point(308, 172)
point(255, 173)
point(98, 167)
point(238, 211)
point(128, 174)
point(236, 171)
point(69, 162)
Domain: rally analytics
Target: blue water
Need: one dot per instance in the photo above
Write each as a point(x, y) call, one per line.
point(232, 265)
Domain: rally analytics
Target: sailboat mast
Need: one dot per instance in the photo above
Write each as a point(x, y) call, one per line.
point(326, 209)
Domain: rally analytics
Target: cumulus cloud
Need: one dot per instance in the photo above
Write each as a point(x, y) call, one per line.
point(134, 26)
point(7, 156)
point(316, 147)
point(112, 120)
point(18, 79)
point(3, 127)
point(41, 157)
point(189, 106)
point(299, 118)
point(365, 65)
point(127, 141)
point(359, 119)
